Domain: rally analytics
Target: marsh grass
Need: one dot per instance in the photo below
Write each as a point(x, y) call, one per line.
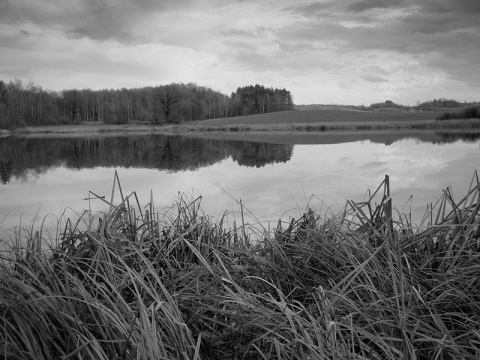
point(143, 283)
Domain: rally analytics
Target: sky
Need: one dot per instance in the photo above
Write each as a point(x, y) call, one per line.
point(323, 52)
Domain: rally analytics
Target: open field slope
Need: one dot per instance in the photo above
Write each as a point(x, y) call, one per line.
point(320, 116)
point(150, 284)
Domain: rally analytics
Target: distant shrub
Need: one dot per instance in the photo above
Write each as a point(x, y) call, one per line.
point(56, 120)
point(12, 121)
point(446, 116)
point(467, 113)
point(470, 113)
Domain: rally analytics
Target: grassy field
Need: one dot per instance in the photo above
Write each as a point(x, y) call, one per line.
point(146, 283)
point(324, 115)
point(334, 119)
point(317, 120)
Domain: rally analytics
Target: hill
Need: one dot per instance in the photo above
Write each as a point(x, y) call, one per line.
point(327, 114)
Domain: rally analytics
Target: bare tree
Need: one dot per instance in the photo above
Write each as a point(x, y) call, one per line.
point(166, 99)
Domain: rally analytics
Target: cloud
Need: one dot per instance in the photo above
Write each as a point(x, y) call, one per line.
point(328, 50)
point(470, 7)
point(313, 9)
point(243, 46)
point(247, 33)
point(364, 5)
point(443, 35)
point(374, 78)
point(95, 19)
point(374, 165)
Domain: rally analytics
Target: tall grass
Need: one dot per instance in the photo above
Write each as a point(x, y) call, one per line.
point(144, 283)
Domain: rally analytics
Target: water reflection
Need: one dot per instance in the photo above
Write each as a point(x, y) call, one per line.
point(344, 137)
point(270, 174)
point(22, 156)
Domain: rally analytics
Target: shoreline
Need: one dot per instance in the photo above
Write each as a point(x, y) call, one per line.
point(198, 127)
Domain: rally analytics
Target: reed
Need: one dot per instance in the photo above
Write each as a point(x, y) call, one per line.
point(143, 283)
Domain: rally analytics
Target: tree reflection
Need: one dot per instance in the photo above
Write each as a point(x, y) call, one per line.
point(6, 171)
point(169, 156)
point(20, 157)
point(260, 154)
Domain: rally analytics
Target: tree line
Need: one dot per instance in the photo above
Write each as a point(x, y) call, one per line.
point(22, 105)
point(430, 105)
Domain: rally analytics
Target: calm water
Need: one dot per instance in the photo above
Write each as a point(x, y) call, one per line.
point(274, 176)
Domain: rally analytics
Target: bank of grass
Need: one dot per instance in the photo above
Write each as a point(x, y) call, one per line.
point(149, 284)
point(337, 126)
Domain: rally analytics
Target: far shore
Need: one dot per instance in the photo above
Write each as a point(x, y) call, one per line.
point(289, 121)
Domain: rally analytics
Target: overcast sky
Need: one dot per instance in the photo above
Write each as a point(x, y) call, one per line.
point(338, 51)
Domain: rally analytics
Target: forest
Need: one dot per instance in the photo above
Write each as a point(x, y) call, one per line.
point(31, 105)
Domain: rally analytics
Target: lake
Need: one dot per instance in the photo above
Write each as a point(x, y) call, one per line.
point(275, 176)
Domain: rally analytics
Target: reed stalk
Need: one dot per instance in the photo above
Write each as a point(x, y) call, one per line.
point(145, 284)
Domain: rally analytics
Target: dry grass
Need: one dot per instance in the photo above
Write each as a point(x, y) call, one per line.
point(149, 284)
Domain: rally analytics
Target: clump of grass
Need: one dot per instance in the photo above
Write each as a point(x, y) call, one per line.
point(145, 284)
